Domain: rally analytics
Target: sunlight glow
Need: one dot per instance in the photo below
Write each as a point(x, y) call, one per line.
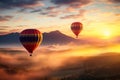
point(107, 34)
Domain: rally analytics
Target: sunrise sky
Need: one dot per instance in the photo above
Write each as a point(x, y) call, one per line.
point(100, 18)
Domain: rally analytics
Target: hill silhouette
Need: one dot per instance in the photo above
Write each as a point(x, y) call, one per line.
point(56, 37)
point(12, 38)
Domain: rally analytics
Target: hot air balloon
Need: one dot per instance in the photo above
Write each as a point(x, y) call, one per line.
point(76, 28)
point(30, 39)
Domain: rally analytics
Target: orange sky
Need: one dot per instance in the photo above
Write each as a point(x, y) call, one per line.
point(100, 18)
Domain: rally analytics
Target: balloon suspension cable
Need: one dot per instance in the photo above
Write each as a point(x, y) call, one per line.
point(30, 54)
point(76, 36)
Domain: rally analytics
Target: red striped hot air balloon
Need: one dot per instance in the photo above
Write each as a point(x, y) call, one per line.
point(30, 39)
point(76, 28)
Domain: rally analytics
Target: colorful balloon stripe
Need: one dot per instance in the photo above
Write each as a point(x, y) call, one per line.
point(30, 39)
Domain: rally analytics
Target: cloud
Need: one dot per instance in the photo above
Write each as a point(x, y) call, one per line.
point(72, 3)
point(12, 66)
point(3, 32)
point(111, 2)
point(7, 29)
point(37, 66)
point(54, 13)
point(74, 16)
point(8, 50)
point(70, 9)
point(46, 61)
point(69, 1)
point(5, 18)
point(114, 1)
point(69, 6)
point(34, 5)
point(41, 64)
point(50, 8)
point(116, 40)
point(8, 4)
point(47, 9)
point(4, 29)
point(36, 10)
point(51, 13)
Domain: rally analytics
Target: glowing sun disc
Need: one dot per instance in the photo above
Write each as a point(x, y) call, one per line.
point(107, 34)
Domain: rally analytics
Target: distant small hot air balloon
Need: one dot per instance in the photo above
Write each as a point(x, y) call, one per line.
point(30, 39)
point(76, 28)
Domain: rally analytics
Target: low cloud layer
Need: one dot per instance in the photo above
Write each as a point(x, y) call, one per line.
point(16, 62)
point(47, 61)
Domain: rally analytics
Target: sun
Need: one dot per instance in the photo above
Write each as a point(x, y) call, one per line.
point(107, 34)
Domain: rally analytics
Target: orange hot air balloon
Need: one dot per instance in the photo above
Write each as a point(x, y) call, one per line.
point(30, 39)
point(76, 28)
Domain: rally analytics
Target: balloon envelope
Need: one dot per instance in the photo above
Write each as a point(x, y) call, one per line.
point(30, 39)
point(76, 28)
